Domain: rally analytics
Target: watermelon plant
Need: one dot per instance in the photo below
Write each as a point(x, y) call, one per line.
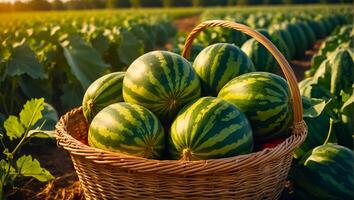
point(19, 131)
point(318, 124)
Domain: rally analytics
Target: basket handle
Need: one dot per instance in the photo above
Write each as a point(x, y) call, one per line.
point(284, 65)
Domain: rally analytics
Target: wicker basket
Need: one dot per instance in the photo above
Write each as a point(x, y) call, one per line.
point(259, 175)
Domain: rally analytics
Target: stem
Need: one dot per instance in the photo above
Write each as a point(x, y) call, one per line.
point(2, 193)
point(329, 135)
point(24, 135)
point(2, 143)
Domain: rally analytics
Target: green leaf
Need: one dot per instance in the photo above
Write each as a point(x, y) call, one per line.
point(72, 96)
point(35, 88)
point(29, 167)
point(4, 166)
point(315, 109)
point(348, 106)
point(100, 43)
point(129, 48)
point(32, 112)
point(41, 134)
point(85, 62)
point(23, 61)
point(49, 118)
point(14, 129)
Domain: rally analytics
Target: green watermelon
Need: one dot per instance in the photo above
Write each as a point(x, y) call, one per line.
point(299, 39)
point(162, 82)
point(318, 28)
point(265, 99)
point(337, 72)
point(262, 59)
point(218, 64)
point(309, 34)
point(210, 128)
point(326, 172)
point(129, 129)
point(101, 93)
point(281, 32)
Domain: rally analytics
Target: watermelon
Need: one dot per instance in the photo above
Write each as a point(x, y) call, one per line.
point(281, 32)
point(337, 72)
point(101, 93)
point(299, 39)
point(218, 64)
point(265, 99)
point(210, 128)
point(309, 34)
point(326, 172)
point(162, 82)
point(129, 129)
point(318, 28)
point(262, 59)
point(221, 34)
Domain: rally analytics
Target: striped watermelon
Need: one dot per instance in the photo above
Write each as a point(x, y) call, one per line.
point(265, 99)
point(318, 28)
point(262, 59)
point(129, 129)
point(218, 64)
point(326, 172)
point(279, 31)
point(337, 71)
point(162, 82)
point(299, 39)
point(309, 34)
point(101, 93)
point(210, 128)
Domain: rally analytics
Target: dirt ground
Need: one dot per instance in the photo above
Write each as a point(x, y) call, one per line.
point(57, 161)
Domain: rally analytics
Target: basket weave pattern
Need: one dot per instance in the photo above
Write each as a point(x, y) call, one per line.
point(110, 175)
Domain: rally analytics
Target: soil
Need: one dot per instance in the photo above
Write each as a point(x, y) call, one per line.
point(187, 24)
point(57, 161)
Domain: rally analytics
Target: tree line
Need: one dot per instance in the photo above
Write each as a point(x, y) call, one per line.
point(102, 4)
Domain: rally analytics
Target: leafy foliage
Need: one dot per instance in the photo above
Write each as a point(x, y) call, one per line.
point(20, 130)
point(48, 57)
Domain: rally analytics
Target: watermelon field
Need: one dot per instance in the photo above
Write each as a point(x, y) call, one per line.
point(139, 97)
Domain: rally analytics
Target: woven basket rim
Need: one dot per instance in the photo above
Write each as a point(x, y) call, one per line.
point(139, 164)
